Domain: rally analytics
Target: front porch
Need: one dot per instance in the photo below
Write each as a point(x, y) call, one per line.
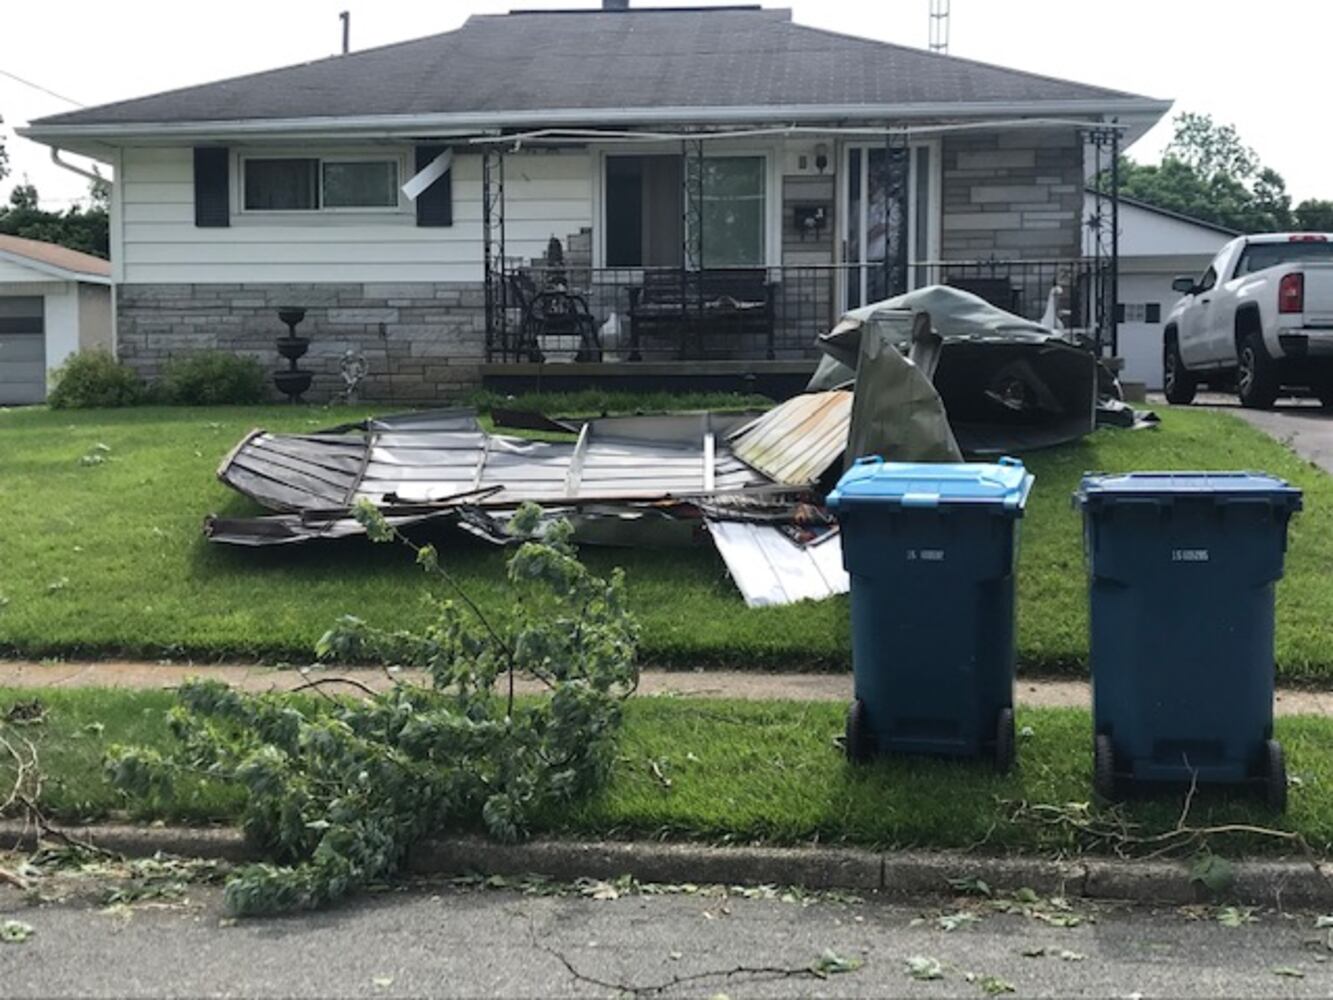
point(735, 329)
point(715, 261)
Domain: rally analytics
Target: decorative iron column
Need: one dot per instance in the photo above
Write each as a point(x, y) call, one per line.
point(692, 254)
point(493, 252)
point(1103, 226)
point(897, 163)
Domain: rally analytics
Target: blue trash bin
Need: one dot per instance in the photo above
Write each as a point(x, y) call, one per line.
point(1181, 574)
point(930, 550)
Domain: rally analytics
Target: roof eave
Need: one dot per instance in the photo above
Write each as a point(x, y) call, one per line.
point(466, 123)
point(54, 270)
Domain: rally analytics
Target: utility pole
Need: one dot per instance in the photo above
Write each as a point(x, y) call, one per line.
point(939, 26)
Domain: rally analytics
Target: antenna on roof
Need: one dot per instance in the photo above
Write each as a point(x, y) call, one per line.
point(939, 26)
point(346, 18)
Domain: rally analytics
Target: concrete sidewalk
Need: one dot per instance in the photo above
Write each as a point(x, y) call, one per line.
point(741, 684)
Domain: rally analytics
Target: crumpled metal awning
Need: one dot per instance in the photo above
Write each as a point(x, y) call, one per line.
point(923, 377)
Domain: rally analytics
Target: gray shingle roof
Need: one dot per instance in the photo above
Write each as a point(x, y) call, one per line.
point(545, 61)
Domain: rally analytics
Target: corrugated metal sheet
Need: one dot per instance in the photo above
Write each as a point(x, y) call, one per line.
point(796, 442)
point(434, 457)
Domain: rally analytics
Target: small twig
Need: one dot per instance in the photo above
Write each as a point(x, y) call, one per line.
point(19, 883)
point(318, 682)
point(774, 971)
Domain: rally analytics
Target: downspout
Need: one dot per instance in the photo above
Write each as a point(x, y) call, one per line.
point(115, 308)
point(74, 169)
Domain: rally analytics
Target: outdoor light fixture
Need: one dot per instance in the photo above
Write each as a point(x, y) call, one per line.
point(821, 157)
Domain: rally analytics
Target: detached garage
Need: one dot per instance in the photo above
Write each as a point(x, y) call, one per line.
point(53, 302)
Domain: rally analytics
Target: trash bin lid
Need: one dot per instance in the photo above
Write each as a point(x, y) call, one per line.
point(1168, 486)
point(1005, 484)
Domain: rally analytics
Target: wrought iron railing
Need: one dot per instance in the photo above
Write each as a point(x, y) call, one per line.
point(574, 313)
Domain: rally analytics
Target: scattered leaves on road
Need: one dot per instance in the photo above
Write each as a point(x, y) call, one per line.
point(1289, 972)
point(971, 887)
point(1214, 873)
point(15, 931)
point(830, 963)
point(952, 921)
point(382, 982)
point(924, 967)
point(1236, 916)
point(994, 986)
point(1320, 923)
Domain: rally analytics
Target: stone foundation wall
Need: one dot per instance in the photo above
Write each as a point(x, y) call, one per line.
point(423, 342)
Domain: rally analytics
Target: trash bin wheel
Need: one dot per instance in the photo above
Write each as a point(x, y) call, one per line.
point(858, 743)
point(1103, 768)
point(1004, 741)
point(1275, 777)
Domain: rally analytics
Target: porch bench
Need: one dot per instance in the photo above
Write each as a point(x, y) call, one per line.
point(684, 305)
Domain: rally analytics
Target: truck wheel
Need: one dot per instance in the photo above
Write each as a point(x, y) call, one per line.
point(1256, 374)
point(1324, 390)
point(1004, 741)
point(1103, 769)
point(1177, 382)
point(858, 742)
point(1275, 777)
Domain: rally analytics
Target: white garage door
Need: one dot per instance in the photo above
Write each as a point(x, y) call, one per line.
point(22, 350)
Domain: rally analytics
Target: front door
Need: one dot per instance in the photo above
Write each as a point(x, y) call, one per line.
point(887, 230)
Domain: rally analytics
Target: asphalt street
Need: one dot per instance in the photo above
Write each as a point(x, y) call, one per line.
point(446, 941)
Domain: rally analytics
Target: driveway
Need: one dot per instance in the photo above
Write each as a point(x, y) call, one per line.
point(1301, 424)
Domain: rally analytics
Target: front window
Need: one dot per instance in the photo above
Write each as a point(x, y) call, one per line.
point(287, 185)
point(308, 184)
point(654, 215)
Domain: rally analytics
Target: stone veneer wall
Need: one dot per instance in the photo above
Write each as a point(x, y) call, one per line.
point(1012, 194)
point(423, 342)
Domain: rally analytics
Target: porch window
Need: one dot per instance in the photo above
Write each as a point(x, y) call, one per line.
point(733, 210)
point(650, 204)
point(309, 184)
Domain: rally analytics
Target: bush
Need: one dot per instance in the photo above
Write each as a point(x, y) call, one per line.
point(94, 378)
point(208, 378)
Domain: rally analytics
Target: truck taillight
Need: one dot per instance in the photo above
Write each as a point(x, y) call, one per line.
point(1291, 293)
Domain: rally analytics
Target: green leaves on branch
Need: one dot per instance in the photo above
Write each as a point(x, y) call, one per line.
point(338, 791)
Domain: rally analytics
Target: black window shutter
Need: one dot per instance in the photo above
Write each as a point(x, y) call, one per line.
point(435, 206)
point(212, 188)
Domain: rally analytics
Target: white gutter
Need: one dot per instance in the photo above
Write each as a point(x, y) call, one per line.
point(471, 122)
point(596, 135)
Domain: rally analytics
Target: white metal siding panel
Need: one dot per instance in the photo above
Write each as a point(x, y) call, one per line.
point(62, 323)
point(546, 195)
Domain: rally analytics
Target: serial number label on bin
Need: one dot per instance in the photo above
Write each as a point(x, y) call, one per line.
point(1189, 555)
point(925, 555)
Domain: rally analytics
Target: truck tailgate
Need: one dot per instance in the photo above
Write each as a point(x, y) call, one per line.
point(1318, 292)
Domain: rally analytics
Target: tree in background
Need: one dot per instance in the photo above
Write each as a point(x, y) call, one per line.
point(1208, 172)
point(4, 159)
point(79, 228)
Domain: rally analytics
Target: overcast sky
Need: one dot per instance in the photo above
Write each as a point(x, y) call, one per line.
point(1263, 67)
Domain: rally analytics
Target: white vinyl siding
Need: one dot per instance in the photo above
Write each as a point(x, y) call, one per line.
point(547, 194)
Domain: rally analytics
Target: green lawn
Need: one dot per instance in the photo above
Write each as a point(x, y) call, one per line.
point(747, 771)
point(106, 558)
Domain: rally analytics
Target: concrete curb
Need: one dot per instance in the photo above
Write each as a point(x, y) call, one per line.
point(896, 874)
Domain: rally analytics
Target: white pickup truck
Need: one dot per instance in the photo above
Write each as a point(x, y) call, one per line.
point(1260, 318)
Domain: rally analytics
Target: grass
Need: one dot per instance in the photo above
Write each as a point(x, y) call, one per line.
point(751, 771)
point(107, 558)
